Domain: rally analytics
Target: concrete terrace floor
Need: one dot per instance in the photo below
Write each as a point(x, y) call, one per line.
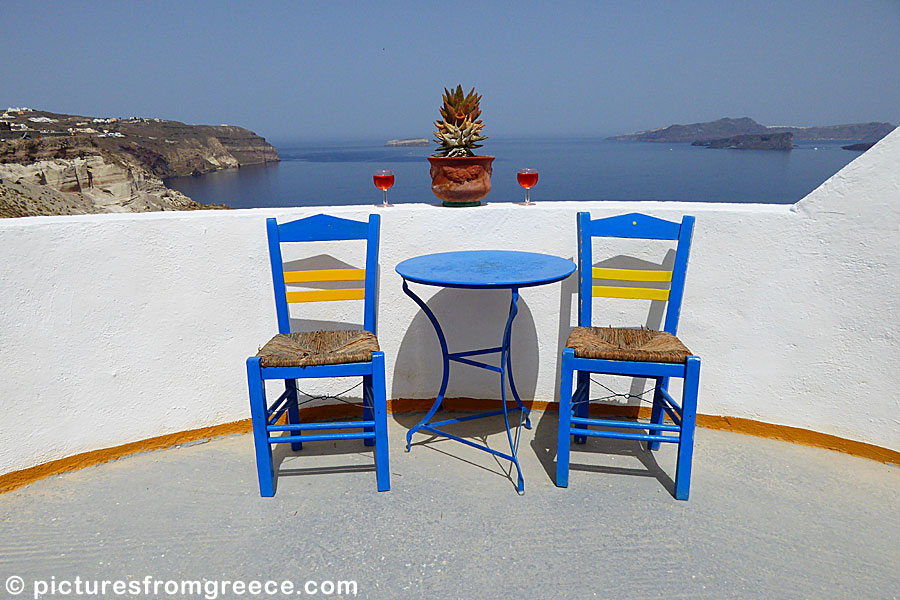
point(766, 519)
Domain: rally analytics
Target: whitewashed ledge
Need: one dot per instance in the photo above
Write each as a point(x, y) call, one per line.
point(118, 328)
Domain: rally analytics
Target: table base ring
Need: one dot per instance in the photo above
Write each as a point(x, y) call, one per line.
point(492, 413)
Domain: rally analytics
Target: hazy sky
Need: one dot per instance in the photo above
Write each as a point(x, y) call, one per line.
point(314, 70)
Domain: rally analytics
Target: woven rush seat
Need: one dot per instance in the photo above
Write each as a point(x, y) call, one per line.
point(618, 343)
point(306, 349)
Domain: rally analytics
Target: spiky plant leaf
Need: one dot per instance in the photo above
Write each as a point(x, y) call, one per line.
point(460, 128)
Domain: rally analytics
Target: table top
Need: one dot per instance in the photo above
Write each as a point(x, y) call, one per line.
point(485, 269)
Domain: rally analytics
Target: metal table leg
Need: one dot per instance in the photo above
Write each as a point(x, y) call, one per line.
point(506, 366)
point(504, 370)
point(446, 363)
point(513, 310)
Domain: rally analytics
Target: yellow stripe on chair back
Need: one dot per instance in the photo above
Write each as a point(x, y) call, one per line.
point(322, 276)
point(631, 274)
point(637, 293)
point(325, 275)
point(325, 295)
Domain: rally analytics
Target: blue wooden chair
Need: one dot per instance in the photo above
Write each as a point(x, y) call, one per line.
point(630, 352)
point(291, 356)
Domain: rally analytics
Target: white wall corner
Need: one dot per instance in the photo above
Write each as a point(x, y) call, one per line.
point(871, 183)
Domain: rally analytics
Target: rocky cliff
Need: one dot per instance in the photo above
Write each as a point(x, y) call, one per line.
point(86, 185)
point(63, 164)
point(173, 148)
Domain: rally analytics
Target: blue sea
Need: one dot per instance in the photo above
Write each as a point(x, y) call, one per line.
point(570, 169)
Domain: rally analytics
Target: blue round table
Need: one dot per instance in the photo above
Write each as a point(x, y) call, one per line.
point(481, 269)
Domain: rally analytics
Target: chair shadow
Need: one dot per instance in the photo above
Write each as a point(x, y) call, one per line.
point(657, 309)
point(544, 446)
point(282, 452)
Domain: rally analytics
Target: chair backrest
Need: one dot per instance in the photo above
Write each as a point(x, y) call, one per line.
point(639, 226)
point(322, 228)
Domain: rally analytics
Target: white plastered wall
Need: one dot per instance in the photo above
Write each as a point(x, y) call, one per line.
point(117, 328)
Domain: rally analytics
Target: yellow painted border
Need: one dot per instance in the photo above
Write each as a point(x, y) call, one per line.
point(608, 291)
point(630, 274)
point(325, 275)
point(325, 295)
point(796, 435)
point(17, 479)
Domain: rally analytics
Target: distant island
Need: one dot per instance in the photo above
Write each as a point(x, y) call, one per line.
point(409, 142)
point(768, 141)
point(52, 163)
point(729, 128)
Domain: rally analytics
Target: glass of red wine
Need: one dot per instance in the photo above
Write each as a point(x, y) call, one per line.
point(384, 180)
point(527, 178)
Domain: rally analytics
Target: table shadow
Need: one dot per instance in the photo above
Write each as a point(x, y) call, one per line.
point(476, 431)
point(470, 319)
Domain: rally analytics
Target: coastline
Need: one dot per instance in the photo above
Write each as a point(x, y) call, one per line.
point(53, 163)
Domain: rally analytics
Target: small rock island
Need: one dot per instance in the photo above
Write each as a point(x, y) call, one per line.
point(408, 142)
point(861, 147)
point(771, 141)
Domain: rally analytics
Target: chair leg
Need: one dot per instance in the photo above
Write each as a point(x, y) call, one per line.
point(565, 419)
point(368, 399)
point(658, 414)
point(688, 421)
point(379, 397)
point(581, 400)
point(293, 411)
point(264, 465)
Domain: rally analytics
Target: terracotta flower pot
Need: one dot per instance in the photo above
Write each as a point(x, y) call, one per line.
point(461, 180)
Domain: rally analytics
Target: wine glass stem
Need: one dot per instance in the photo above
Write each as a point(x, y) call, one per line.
point(527, 195)
point(385, 197)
